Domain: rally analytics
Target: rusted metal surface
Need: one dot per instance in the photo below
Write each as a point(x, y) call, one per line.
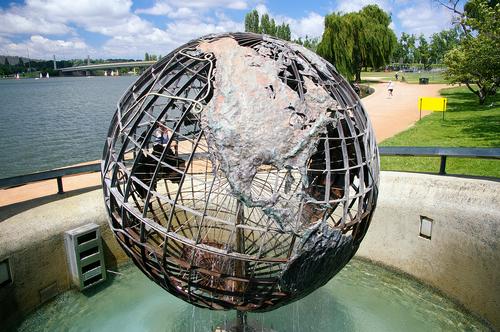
point(277, 183)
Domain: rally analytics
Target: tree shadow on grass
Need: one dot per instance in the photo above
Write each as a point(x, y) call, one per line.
point(484, 128)
point(465, 101)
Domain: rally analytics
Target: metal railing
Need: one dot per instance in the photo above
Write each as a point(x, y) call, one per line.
point(443, 153)
point(49, 175)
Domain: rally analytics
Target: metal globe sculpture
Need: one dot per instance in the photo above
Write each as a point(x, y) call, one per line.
point(240, 172)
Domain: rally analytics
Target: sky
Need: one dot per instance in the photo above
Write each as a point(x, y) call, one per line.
point(127, 29)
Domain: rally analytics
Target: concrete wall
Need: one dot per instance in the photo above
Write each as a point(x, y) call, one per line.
point(462, 258)
point(33, 241)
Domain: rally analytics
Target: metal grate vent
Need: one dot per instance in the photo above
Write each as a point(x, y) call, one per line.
point(85, 255)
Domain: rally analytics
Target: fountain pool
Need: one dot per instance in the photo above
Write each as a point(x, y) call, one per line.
point(362, 297)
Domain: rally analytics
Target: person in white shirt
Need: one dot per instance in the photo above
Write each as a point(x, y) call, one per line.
point(390, 88)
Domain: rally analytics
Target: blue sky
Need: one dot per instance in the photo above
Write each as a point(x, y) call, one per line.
point(128, 29)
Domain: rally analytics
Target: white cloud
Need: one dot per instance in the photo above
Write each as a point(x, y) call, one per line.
point(311, 25)
point(159, 8)
point(57, 16)
point(205, 4)
point(188, 8)
point(238, 5)
point(14, 22)
point(177, 32)
point(188, 21)
point(130, 34)
point(79, 11)
point(157, 42)
point(111, 18)
point(355, 5)
point(40, 47)
point(424, 18)
point(130, 25)
point(261, 9)
point(163, 9)
point(186, 30)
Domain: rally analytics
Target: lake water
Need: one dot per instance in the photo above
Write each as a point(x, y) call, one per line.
point(50, 123)
point(362, 297)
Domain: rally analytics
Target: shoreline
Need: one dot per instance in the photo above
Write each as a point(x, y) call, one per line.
point(389, 116)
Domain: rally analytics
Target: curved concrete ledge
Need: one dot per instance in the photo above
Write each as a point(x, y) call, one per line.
point(461, 259)
point(33, 241)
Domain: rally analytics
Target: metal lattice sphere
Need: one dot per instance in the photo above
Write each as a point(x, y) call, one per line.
point(240, 172)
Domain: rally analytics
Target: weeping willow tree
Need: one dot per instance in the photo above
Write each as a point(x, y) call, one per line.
point(356, 40)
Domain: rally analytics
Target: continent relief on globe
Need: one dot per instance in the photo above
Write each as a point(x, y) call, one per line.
point(255, 119)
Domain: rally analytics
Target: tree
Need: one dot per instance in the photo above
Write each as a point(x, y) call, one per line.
point(272, 28)
point(399, 53)
point(266, 25)
point(423, 51)
point(474, 61)
point(354, 40)
point(252, 21)
point(310, 43)
point(406, 49)
point(287, 35)
point(412, 49)
point(441, 43)
point(146, 57)
point(283, 31)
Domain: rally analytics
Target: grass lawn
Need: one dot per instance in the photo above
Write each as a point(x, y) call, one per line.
point(410, 77)
point(466, 124)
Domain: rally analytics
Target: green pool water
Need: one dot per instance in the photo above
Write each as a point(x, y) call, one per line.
point(362, 297)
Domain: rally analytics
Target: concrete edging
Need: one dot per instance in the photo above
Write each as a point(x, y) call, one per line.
point(461, 259)
point(33, 241)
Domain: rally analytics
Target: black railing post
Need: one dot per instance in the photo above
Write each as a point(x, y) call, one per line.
point(442, 167)
point(60, 189)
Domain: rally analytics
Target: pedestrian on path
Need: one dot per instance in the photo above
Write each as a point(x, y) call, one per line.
point(390, 88)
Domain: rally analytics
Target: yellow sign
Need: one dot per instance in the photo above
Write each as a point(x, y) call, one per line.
point(433, 104)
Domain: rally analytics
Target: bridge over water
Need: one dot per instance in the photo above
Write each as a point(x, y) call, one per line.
point(110, 65)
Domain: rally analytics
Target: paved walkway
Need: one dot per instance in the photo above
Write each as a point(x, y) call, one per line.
point(389, 116)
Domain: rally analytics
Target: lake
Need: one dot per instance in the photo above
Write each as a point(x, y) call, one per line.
point(56, 122)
